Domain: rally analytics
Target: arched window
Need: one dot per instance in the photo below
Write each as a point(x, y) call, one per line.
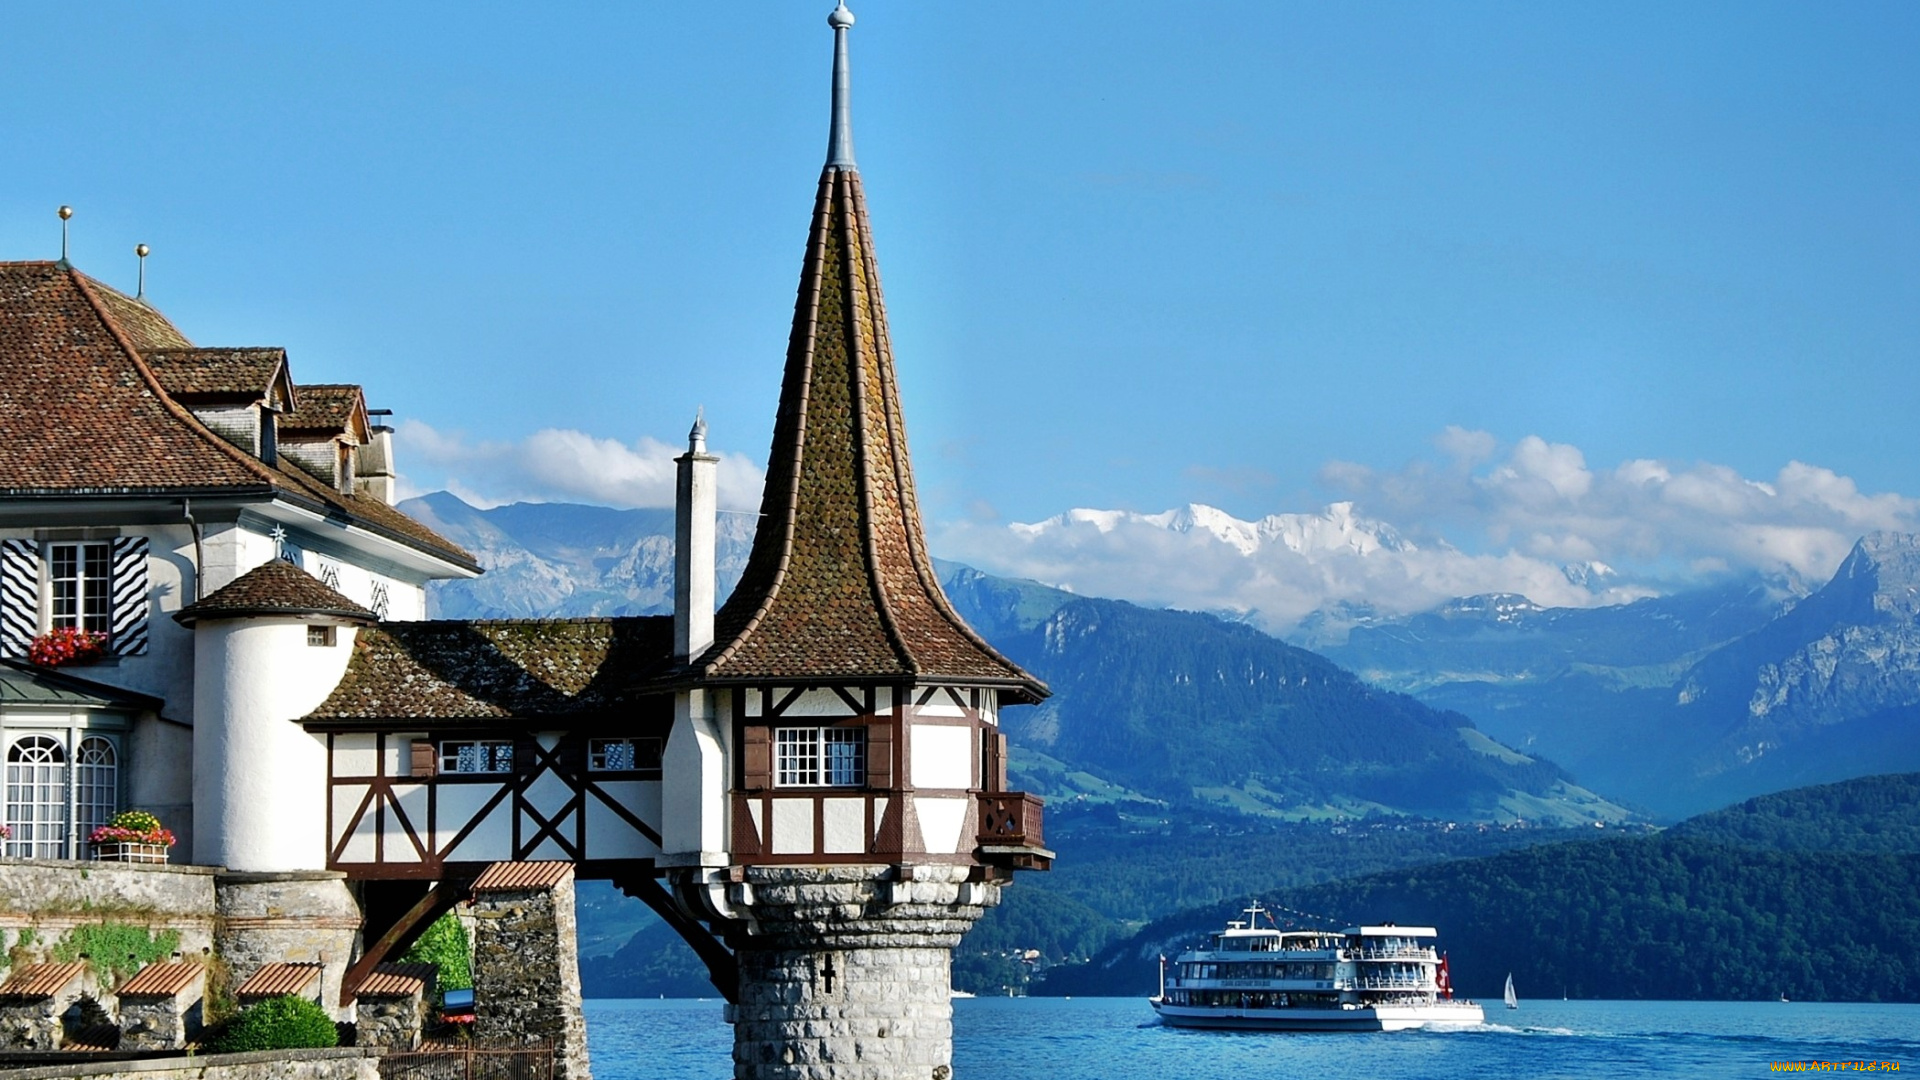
point(37, 798)
point(96, 785)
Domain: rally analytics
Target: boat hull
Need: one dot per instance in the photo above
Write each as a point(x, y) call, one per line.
point(1380, 1018)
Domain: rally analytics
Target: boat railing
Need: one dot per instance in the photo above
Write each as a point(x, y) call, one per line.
point(1396, 953)
point(1392, 982)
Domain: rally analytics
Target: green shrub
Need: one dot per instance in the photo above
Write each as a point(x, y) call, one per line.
point(282, 1023)
point(445, 945)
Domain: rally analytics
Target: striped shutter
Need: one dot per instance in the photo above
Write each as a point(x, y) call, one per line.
point(19, 596)
point(131, 596)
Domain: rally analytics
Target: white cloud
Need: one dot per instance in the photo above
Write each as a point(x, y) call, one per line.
point(1535, 519)
point(560, 465)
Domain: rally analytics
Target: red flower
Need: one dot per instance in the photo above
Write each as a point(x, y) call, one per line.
point(67, 645)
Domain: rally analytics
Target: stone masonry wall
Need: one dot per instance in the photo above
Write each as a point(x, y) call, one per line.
point(526, 974)
point(51, 897)
point(846, 972)
point(343, 1064)
point(304, 916)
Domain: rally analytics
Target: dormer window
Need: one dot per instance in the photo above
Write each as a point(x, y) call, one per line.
point(81, 575)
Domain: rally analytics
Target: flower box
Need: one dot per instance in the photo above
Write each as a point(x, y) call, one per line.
point(130, 852)
point(133, 836)
point(65, 645)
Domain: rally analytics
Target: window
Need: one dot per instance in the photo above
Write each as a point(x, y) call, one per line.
point(820, 756)
point(96, 784)
point(321, 636)
point(82, 586)
point(476, 756)
point(37, 798)
point(622, 755)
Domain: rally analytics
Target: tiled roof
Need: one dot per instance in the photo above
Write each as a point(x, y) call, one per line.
point(397, 980)
point(328, 407)
point(83, 414)
point(516, 876)
point(273, 588)
point(161, 980)
point(496, 669)
point(41, 980)
point(839, 583)
point(30, 684)
point(144, 326)
point(79, 412)
point(192, 372)
point(277, 980)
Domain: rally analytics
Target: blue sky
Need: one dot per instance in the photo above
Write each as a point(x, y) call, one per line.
point(1260, 256)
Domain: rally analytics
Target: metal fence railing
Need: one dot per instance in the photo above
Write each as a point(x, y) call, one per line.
point(469, 1063)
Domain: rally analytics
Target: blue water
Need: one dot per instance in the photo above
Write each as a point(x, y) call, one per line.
point(1118, 1039)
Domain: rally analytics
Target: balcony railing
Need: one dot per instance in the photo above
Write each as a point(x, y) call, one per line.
point(1010, 819)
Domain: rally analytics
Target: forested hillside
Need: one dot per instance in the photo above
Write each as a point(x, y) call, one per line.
point(1872, 814)
point(1732, 906)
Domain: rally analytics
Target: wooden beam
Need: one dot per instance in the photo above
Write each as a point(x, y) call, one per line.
point(722, 969)
point(404, 932)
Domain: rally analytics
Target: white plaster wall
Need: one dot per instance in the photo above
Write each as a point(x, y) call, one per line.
point(406, 601)
point(159, 777)
point(259, 779)
point(230, 550)
point(942, 756)
point(695, 769)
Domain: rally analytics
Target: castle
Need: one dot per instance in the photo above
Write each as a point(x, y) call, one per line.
point(809, 783)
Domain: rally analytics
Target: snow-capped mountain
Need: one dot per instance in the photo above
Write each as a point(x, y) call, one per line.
point(1335, 529)
point(1309, 577)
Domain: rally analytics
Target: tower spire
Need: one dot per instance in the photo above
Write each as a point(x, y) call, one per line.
point(840, 138)
point(839, 584)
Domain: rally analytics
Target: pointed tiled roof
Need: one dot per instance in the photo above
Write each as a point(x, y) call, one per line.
point(839, 584)
point(83, 413)
point(276, 587)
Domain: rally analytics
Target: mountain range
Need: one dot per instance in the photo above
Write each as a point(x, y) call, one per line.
point(1150, 706)
point(1683, 702)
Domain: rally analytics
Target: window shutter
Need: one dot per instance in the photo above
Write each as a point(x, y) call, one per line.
point(757, 758)
point(130, 596)
point(422, 758)
point(880, 755)
point(19, 596)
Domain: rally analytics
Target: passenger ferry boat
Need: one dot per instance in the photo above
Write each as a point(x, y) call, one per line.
point(1363, 978)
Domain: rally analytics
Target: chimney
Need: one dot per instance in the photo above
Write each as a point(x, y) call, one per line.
point(378, 478)
point(693, 519)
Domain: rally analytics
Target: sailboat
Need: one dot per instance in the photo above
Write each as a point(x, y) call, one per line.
point(1512, 1002)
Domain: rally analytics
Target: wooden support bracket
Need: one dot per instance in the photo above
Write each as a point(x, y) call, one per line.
point(722, 969)
point(439, 900)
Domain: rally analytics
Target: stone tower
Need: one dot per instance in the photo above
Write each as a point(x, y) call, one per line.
point(836, 775)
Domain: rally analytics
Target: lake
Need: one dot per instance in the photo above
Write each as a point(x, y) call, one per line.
point(1118, 1039)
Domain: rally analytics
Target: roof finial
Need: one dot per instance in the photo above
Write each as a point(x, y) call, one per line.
point(840, 140)
point(141, 250)
point(697, 438)
point(66, 214)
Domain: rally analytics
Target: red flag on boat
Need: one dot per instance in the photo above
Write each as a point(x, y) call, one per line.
point(1443, 978)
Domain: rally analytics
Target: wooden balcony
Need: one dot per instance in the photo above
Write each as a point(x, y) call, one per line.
point(1010, 830)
